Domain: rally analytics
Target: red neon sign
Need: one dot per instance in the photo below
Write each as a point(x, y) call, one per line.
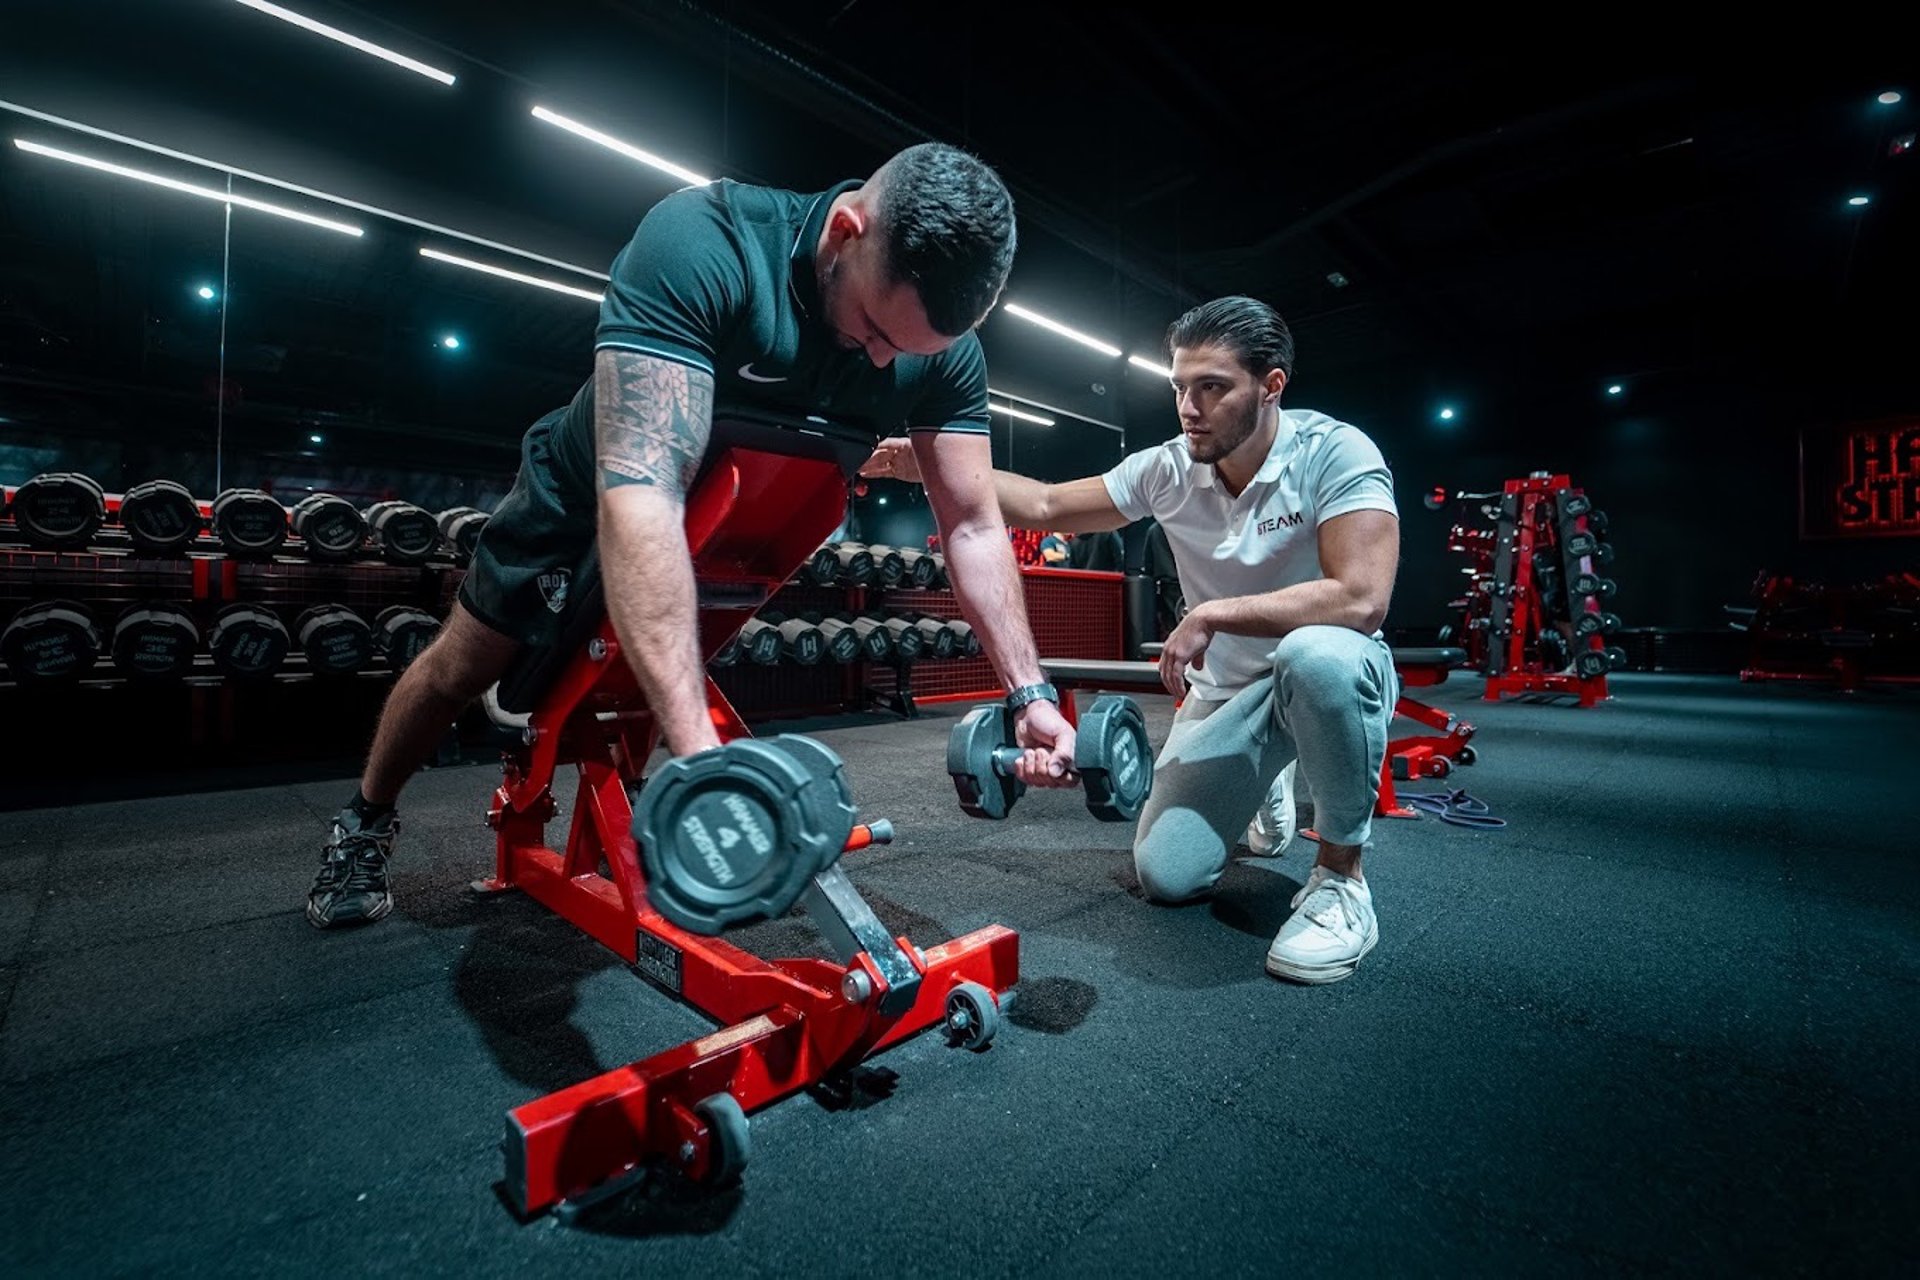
point(1879, 490)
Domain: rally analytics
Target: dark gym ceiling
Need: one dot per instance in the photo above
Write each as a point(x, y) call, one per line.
point(1490, 215)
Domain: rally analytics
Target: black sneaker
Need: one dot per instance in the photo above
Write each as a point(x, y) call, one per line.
point(352, 885)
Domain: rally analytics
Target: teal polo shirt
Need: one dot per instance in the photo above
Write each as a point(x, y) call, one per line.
point(721, 278)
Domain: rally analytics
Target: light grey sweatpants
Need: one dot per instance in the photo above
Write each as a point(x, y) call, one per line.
point(1327, 703)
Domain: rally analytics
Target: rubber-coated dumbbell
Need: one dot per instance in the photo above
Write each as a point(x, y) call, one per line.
point(336, 640)
point(50, 642)
point(889, 566)
point(800, 641)
point(733, 835)
point(330, 527)
point(249, 522)
point(876, 640)
point(760, 643)
point(842, 636)
point(1111, 755)
point(920, 568)
point(403, 533)
point(402, 633)
point(160, 517)
point(155, 641)
point(853, 564)
point(460, 527)
point(248, 641)
point(59, 510)
point(966, 643)
point(907, 640)
point(937, 639)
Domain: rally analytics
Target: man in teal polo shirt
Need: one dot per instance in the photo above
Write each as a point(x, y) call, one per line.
point(858, 304)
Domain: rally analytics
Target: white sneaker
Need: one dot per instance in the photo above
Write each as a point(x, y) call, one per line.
point(1332, 927)
point(1268, 837)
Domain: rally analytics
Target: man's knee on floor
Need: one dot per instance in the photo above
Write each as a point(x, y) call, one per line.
point(1168, 877)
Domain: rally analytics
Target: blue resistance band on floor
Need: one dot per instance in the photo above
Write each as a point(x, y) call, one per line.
point(1457, 807)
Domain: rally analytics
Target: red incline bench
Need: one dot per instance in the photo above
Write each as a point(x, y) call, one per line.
point(684, 857)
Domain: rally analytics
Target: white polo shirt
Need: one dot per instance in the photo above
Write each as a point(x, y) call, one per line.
point(1263, 540)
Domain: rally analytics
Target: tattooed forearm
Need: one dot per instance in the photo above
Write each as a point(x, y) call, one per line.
point(651, 420)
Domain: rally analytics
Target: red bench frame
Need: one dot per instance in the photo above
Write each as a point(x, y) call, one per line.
point(751, 522)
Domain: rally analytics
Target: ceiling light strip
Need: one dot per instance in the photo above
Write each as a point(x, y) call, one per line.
point(439, 256)
point(351, 41)
point(187, 188)
point(329, 198)
point(1075, 414)
point(1021, 414)
point(614, 144)
point(1054, 326)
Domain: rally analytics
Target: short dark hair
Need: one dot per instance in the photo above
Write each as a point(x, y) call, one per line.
point(948, 222)
point(1248, 327)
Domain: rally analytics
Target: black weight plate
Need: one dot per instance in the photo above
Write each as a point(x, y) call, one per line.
point(405, 534)
point(248, 642)
point(50, 642)
point(59, 509)
point(402, 633)
point(984, 792)
point(734, 835)
point(249, 522)
point(160, 516)
point(1114, 759)
point(336, 640)
point(330, 526)
point(155, 642)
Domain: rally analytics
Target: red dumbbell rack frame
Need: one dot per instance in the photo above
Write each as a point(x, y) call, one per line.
point(1523, 615)
point(786, 1024)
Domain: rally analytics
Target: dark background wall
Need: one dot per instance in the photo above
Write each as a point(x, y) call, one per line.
point(1505, 229)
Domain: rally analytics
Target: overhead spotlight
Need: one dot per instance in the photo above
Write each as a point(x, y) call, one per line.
point(626, 149)
point(1858, 201)
point(1140, 362)
point(1615, 389)
point(1888, 98)
point(316, 438)
point(883, 502)
point(451, 342)
point(1034, 317)
point(206, 292)
point(352, 42)
point(187, 188)
point(1446, 415)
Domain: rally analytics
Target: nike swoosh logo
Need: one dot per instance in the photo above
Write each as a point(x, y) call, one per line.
point(746, 371)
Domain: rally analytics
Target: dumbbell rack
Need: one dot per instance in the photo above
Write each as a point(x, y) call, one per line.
point(786, 1024)
point(1071, 611)
point(1542, 511)
point(201, 577)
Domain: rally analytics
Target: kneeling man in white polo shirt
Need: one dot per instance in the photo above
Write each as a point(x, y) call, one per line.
point(1284, 531)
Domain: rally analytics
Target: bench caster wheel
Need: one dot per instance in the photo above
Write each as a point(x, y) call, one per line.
point(973, 1016)
point(730, 1140)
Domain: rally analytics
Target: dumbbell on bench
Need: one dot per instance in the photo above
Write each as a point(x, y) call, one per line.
point(734, 835)
point(1111, 756)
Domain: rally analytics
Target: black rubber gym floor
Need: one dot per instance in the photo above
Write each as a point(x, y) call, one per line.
point(1664, 1020)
